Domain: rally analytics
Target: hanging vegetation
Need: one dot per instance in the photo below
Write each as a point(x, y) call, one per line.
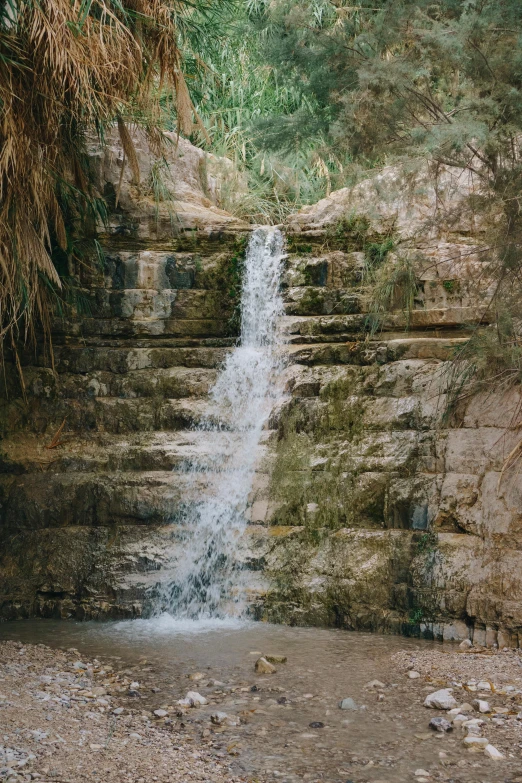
point(69, 68)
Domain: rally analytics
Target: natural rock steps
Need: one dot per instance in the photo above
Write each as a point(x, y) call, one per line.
point(78, 498)
point(361, 352)
point(108, 414)
point(104, 452)
point(145, 327)
point(170, 383)
point(448, 318)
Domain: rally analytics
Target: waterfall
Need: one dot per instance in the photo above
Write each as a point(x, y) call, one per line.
point(208, 578)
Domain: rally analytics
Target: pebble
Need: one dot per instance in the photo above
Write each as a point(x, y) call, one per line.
point(484, 686)
point(262, 666)
point(118, 711)
point(195, 699)
point(493, 753)
point(421, 773)
point(440, 700)
point(276, 658)
point(316, 724)
point(161, 713)
point(348, 704)
point(475, 742)
point(440, 724)
point(218, 718)
point(481, 706)
point(196, 676)
point(465, 645)
point(413, 675)
point(375, 684)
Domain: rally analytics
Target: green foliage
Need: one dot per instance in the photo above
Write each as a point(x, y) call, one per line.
point(427, 543)
point(393, 287)
point(415, 616)
point(230, 280)
point(492, 356)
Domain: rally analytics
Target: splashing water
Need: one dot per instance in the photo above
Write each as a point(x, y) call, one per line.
point(208, 579)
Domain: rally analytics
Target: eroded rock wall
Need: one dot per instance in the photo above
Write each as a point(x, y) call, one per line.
point(91, 489)
point(372, 509)
point(388, 508)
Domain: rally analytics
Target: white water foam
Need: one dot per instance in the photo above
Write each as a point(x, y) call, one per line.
point(209, 581)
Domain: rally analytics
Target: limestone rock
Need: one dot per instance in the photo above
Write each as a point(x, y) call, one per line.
point(275, 658)
point(474, 743)
point(441, 700)
point(492, 753)
point(262, 666)
point(194, 184)
point(440, 724)
point(193, 699)
point(348, 704)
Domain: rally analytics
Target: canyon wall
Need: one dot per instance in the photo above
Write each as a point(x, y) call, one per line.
point(376, 505)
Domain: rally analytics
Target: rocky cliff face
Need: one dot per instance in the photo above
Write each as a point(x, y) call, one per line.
point(370, 510)
point(388, 504)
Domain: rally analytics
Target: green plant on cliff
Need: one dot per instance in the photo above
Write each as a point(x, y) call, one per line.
point(68, 69)
point(393, 287)
point(230, 282)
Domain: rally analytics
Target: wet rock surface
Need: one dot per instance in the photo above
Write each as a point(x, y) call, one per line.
point(284, 727)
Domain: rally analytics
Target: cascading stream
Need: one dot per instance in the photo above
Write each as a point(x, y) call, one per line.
point(209, 581)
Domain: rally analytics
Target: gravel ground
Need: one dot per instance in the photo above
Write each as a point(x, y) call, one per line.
point(471, 674)
point(58, 723)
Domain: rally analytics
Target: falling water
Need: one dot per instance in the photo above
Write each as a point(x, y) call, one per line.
point(208, 579)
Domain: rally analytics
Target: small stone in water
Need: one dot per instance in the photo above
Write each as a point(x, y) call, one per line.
point(316, 724)
point(275, 658)
point(440, 724)
point(263, 666)
point(348, 704)
point(194, 699)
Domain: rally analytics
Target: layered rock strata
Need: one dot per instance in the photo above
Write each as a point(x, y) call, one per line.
point(376, 506)
point(389, 506)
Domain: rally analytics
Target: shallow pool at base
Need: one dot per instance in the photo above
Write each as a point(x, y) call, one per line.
point(275, 740)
